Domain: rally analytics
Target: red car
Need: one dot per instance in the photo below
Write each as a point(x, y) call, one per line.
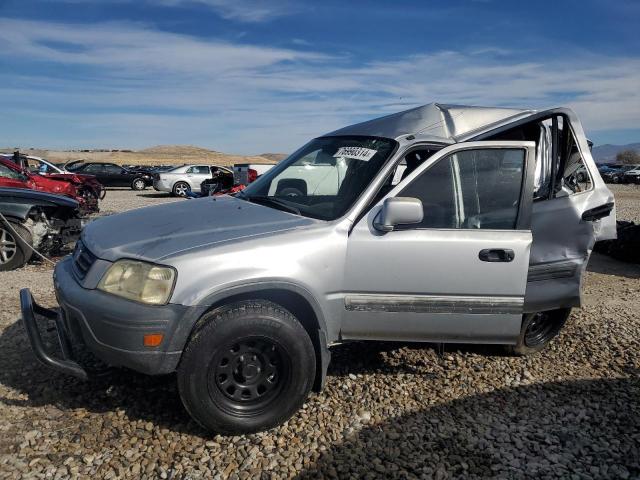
point(85, 189)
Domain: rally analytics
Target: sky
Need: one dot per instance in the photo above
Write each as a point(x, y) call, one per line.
point(250, 76)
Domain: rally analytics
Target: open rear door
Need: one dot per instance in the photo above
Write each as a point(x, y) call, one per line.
point(572, 209)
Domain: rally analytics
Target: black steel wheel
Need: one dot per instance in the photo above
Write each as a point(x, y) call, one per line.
point(249, 374)
point(248, 367)
point(542, 328)
point(538, 329)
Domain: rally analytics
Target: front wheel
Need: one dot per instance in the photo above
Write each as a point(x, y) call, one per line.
point(538, 329)
point(15, 245)
point(248, 368)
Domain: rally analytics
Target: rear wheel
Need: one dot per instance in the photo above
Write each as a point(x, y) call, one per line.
point(538, 329)
point(138, 184)
point(15, 241)
point(248, 368)
point(180, 189)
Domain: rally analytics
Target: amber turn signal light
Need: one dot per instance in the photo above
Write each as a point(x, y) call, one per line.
point(153, 339)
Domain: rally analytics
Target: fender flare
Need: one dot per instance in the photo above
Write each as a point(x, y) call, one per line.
point(323, 353)
point(231, 291)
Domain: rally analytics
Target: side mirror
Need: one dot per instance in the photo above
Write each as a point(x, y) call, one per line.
point(398, 211)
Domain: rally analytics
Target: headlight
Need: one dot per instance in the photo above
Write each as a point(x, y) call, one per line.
point(139, 281)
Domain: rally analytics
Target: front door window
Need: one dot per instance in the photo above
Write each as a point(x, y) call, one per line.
point(471, 189)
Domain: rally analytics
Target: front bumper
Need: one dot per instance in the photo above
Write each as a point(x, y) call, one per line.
point(112, 328)
point(66, 364)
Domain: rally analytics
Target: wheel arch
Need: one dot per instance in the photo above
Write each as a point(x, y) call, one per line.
point(291, 297)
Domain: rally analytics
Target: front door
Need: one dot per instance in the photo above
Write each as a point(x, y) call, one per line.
point(12, 178)
point(116, 176)
point(97, 169)
point(460, 275)
point(196, 175)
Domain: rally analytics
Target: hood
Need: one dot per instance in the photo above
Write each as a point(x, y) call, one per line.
point(38, 198)
point(155, 233)
point(71, 177)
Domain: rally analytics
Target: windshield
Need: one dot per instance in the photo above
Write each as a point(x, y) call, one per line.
point(324, 178)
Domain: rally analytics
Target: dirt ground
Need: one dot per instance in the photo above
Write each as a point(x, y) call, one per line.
point(159, 155)
point(388, 411)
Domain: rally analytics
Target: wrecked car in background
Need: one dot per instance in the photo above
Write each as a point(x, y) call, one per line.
point(112, 175)
point(35, 220)
point(182, 180)
point(444, 223)
point(85, 190)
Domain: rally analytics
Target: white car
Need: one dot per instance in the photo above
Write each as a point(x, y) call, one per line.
point(632, 176)
point(181, 180)
point(38, 164)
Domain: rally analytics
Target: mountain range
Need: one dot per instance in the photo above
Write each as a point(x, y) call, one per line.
point(607, 153)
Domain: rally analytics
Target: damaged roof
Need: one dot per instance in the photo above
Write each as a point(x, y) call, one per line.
point(441, 122)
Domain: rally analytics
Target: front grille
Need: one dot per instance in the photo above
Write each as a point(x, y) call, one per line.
point(83, 259)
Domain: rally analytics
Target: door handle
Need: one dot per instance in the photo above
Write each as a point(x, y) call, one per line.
point(496, 255)
point(598, 212)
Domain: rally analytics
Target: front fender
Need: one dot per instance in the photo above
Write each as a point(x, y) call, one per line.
point(223, 292)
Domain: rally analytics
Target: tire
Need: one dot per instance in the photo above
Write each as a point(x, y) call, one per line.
point(247, 368)
point(138, 184)
point(538, 329)
point(615, 180)
point(290, 192)
point(180, 189)
point(14, 252)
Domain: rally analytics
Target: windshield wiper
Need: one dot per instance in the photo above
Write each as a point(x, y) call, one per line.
point(272, 201)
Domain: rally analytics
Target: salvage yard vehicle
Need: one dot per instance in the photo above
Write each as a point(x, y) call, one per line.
point(32, 219)
point(85, 190)
point(632, 176)
point(112, 175)
point(40, 166)
point(483, 237)
point(181, 180)
point(617, 174)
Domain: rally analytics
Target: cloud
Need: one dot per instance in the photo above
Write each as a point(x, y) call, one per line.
point(129, 84)
point(248, 11)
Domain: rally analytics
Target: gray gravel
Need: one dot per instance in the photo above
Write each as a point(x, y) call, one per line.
point(627, 202)
point(388, 411)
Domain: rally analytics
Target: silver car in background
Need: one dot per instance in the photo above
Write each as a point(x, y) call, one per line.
point(187, 178)
point(442, 223)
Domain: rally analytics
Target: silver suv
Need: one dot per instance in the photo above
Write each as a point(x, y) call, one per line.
point(439, 224)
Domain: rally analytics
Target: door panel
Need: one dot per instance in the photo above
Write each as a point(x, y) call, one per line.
point(196, 175)
point(563, 237)
point(97, 170)
point(430, 283)
point(562, 244)
point(117, 176)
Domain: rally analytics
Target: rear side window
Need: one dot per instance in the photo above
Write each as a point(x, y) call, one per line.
point(94, 168)
point(472, 189)
point(113, 169)
point(6, 172)
point(200, 170)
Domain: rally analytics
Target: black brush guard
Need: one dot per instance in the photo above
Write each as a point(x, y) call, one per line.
point(29, 311)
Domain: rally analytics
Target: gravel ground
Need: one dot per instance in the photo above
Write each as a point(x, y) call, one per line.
point(388, 411)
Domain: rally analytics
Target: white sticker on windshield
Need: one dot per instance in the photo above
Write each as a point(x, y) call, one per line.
point(357, 153)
